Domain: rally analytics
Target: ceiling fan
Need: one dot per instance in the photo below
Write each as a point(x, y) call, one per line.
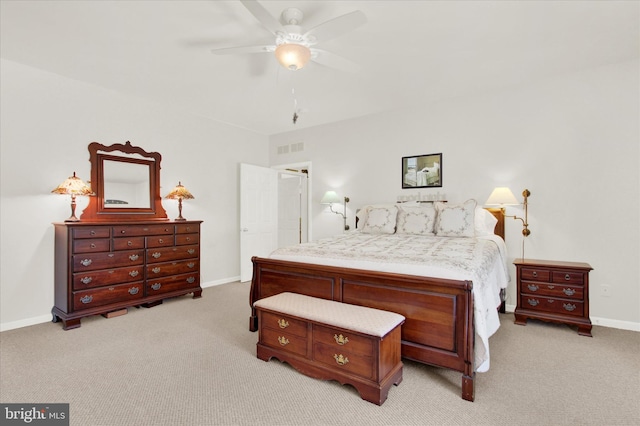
point(293, 47)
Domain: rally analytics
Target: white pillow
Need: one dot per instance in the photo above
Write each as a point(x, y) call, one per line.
point(361, 214)
point(456, 220)
point(380, 220)
point(485, 222)
point(416, 219)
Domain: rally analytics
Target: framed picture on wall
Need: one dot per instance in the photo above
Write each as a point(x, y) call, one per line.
point(422, 171)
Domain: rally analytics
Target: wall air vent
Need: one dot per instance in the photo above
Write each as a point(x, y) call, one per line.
point(297, 147)
point(283, 149)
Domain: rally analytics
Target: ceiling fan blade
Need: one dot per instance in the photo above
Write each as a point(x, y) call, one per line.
point(337, 26)
point(332, 60)
point(240, 50)
point(263, 15)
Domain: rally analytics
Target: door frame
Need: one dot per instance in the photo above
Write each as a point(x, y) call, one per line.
point(306, 165)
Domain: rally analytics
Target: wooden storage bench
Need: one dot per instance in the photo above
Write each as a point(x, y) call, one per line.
point(330, 340)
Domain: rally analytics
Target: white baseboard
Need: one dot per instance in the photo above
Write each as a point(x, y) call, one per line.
point(603, 322)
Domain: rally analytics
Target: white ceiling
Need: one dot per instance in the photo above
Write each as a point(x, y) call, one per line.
point(410, 52)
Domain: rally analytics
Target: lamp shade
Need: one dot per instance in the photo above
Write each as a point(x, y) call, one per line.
point(502, 196)
point(179, 193)
point(73, 185)
point(330, 197)
point(292, 56)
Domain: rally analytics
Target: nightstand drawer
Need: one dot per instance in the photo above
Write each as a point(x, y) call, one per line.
point(532, 274)
point(552, 290)
point(560, 306)
point(567, 277)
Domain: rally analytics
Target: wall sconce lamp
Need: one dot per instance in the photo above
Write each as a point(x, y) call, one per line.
point(503, 196)
point(73, 186)
point(331, 198)
point(179, 193)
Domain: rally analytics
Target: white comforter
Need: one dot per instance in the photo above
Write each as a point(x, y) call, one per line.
point(481, 260)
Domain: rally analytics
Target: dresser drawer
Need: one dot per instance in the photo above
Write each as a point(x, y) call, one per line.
point(552, 290)
point(283, 322)
point(343, 340)
point(535, 274)
point(559, 306)
point(343, 360)
point(91, 279)
point(89, 262)
point(91, 232)
point(183, 239)
point(187, 228)
point(172, 268)
point(106, 295)
point(160, 241)
point(283, 340)
point(171, 253)
point(134, 230)
point(91, 246)
point(173, 283)
point(567, 277)
point(128, 243)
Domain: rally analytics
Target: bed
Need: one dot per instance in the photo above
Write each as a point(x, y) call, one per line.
point(450, 303)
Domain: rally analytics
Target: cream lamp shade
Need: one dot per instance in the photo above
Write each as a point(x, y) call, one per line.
point(502, 196)
point(330, 197)
point(292, 56)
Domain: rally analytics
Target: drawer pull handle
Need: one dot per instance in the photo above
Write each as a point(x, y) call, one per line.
point(93, 245)
point(145, 229)
point(568, 306)
point(133, 273)
point(535, 274)
point(86, 262)
point(156, 286)
point(188, 228)
point(569, 291)
point(283, 341)
point(567, 277)
point(134, 290)
point(551, 287)
point(533, 287)
point(190, 280)
point(123, 232)
point(155, 270)
point(133, 257)
point(156, 255)
point(533, 302)
point(191, 251)
point(341, 340)
point(283, 323)
point(86, 280)
point(160, 240)
point(129, 243)
point(92, 232)
point(86, 299)
point(340, 359)
point(191, 264)
point(188, 239)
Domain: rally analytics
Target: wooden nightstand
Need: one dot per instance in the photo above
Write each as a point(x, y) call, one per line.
point(553, 291)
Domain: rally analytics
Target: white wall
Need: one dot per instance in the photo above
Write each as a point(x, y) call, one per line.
point(47, 122)
point(573, 141)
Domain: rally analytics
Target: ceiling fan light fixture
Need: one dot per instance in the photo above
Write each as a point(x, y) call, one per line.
point(292, 56)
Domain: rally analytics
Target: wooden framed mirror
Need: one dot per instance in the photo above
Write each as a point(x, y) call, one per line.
point(126, 181)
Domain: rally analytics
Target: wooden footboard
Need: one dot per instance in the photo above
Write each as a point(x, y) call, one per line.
point(438, 329)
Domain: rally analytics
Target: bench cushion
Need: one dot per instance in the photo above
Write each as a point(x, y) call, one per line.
point(373, 322)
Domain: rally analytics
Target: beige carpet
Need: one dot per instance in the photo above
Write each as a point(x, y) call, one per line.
point(192, 362)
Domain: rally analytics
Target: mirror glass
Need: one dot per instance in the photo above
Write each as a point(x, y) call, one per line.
point(126, 184)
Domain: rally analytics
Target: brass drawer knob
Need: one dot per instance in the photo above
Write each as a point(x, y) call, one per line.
point(283, 323)
point(340, 359)
point(283, 340)
point(341, 340)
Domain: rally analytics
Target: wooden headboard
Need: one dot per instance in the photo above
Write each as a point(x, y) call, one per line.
point(498, 213)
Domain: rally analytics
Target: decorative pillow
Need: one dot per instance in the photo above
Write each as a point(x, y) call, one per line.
point(485, 222)
point(456, 220)
point(416, 219)
point(380, 220)
point(362, 213)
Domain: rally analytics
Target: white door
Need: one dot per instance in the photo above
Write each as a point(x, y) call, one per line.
point(258, 215)
point(292, 208)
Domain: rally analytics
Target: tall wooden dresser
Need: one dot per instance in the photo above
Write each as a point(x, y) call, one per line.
point(553, 291)
point(102, 267)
